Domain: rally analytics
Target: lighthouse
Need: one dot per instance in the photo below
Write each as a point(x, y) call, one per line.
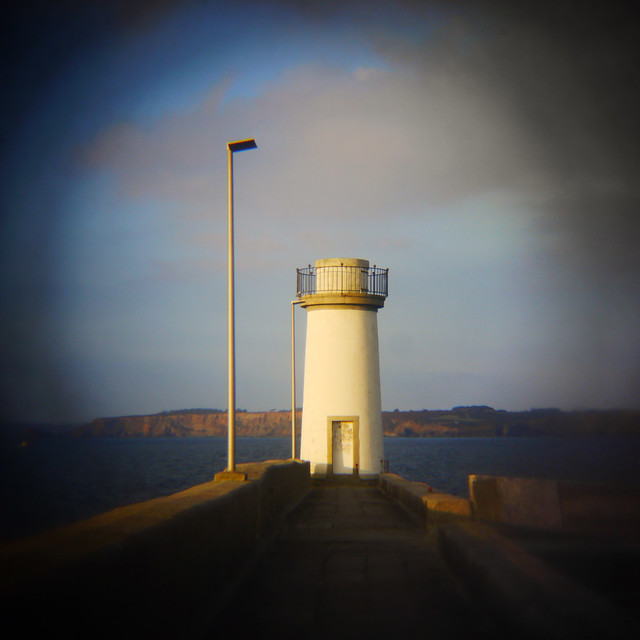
point(342, 414)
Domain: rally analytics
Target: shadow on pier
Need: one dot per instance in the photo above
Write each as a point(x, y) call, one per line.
point(350, 563)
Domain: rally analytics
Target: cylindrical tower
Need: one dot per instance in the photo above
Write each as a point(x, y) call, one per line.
point(341, 414)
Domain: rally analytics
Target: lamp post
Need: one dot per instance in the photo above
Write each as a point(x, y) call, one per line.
point(293, 379)
point(232, 147)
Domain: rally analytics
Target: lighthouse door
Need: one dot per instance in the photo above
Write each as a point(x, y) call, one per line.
point(344, 445)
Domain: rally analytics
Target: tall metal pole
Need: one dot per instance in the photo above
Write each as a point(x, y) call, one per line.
point(240, 145)
point(231, 460)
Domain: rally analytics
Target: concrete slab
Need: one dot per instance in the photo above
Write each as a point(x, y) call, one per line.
point(351, 563)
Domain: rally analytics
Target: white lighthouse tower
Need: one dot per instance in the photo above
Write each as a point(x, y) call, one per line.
point(341, 415)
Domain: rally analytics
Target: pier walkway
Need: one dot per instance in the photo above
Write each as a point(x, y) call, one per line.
point(351, 563)
point(283, 555)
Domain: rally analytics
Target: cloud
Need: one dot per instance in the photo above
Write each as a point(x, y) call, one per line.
point(487, 152)
point(337, 143)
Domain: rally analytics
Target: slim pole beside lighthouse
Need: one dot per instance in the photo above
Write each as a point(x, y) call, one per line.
point(293, 379)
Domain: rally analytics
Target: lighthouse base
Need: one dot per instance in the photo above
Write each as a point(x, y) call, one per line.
point(323, 471)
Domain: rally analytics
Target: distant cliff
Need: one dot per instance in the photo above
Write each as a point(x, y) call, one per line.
point(475, 421)
point(197, 422)
point(482, 421)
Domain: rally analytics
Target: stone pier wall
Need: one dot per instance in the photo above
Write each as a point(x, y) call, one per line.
point(556, 505)
point(546, 559)
point(526, 502)
point(423, 501)
point(149, 569)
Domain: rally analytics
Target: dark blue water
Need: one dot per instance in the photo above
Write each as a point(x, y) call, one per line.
point(57, 481)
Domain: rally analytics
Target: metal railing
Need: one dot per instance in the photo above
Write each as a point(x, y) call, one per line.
point(342, 279)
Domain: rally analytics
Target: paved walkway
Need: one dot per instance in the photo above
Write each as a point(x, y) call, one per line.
point(350, 563)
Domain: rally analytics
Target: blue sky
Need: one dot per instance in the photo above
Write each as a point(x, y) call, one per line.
point(486, 154)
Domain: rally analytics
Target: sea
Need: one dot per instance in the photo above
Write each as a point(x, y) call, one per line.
point(57, 481)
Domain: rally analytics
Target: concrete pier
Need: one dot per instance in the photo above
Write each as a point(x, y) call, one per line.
point(398, 559)
point(351, 563)
point(156, 569)
point(284, 555)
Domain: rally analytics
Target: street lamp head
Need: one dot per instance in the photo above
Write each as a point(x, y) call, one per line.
point(242, 145)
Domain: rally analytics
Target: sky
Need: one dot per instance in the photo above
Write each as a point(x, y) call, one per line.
point(486, 152)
